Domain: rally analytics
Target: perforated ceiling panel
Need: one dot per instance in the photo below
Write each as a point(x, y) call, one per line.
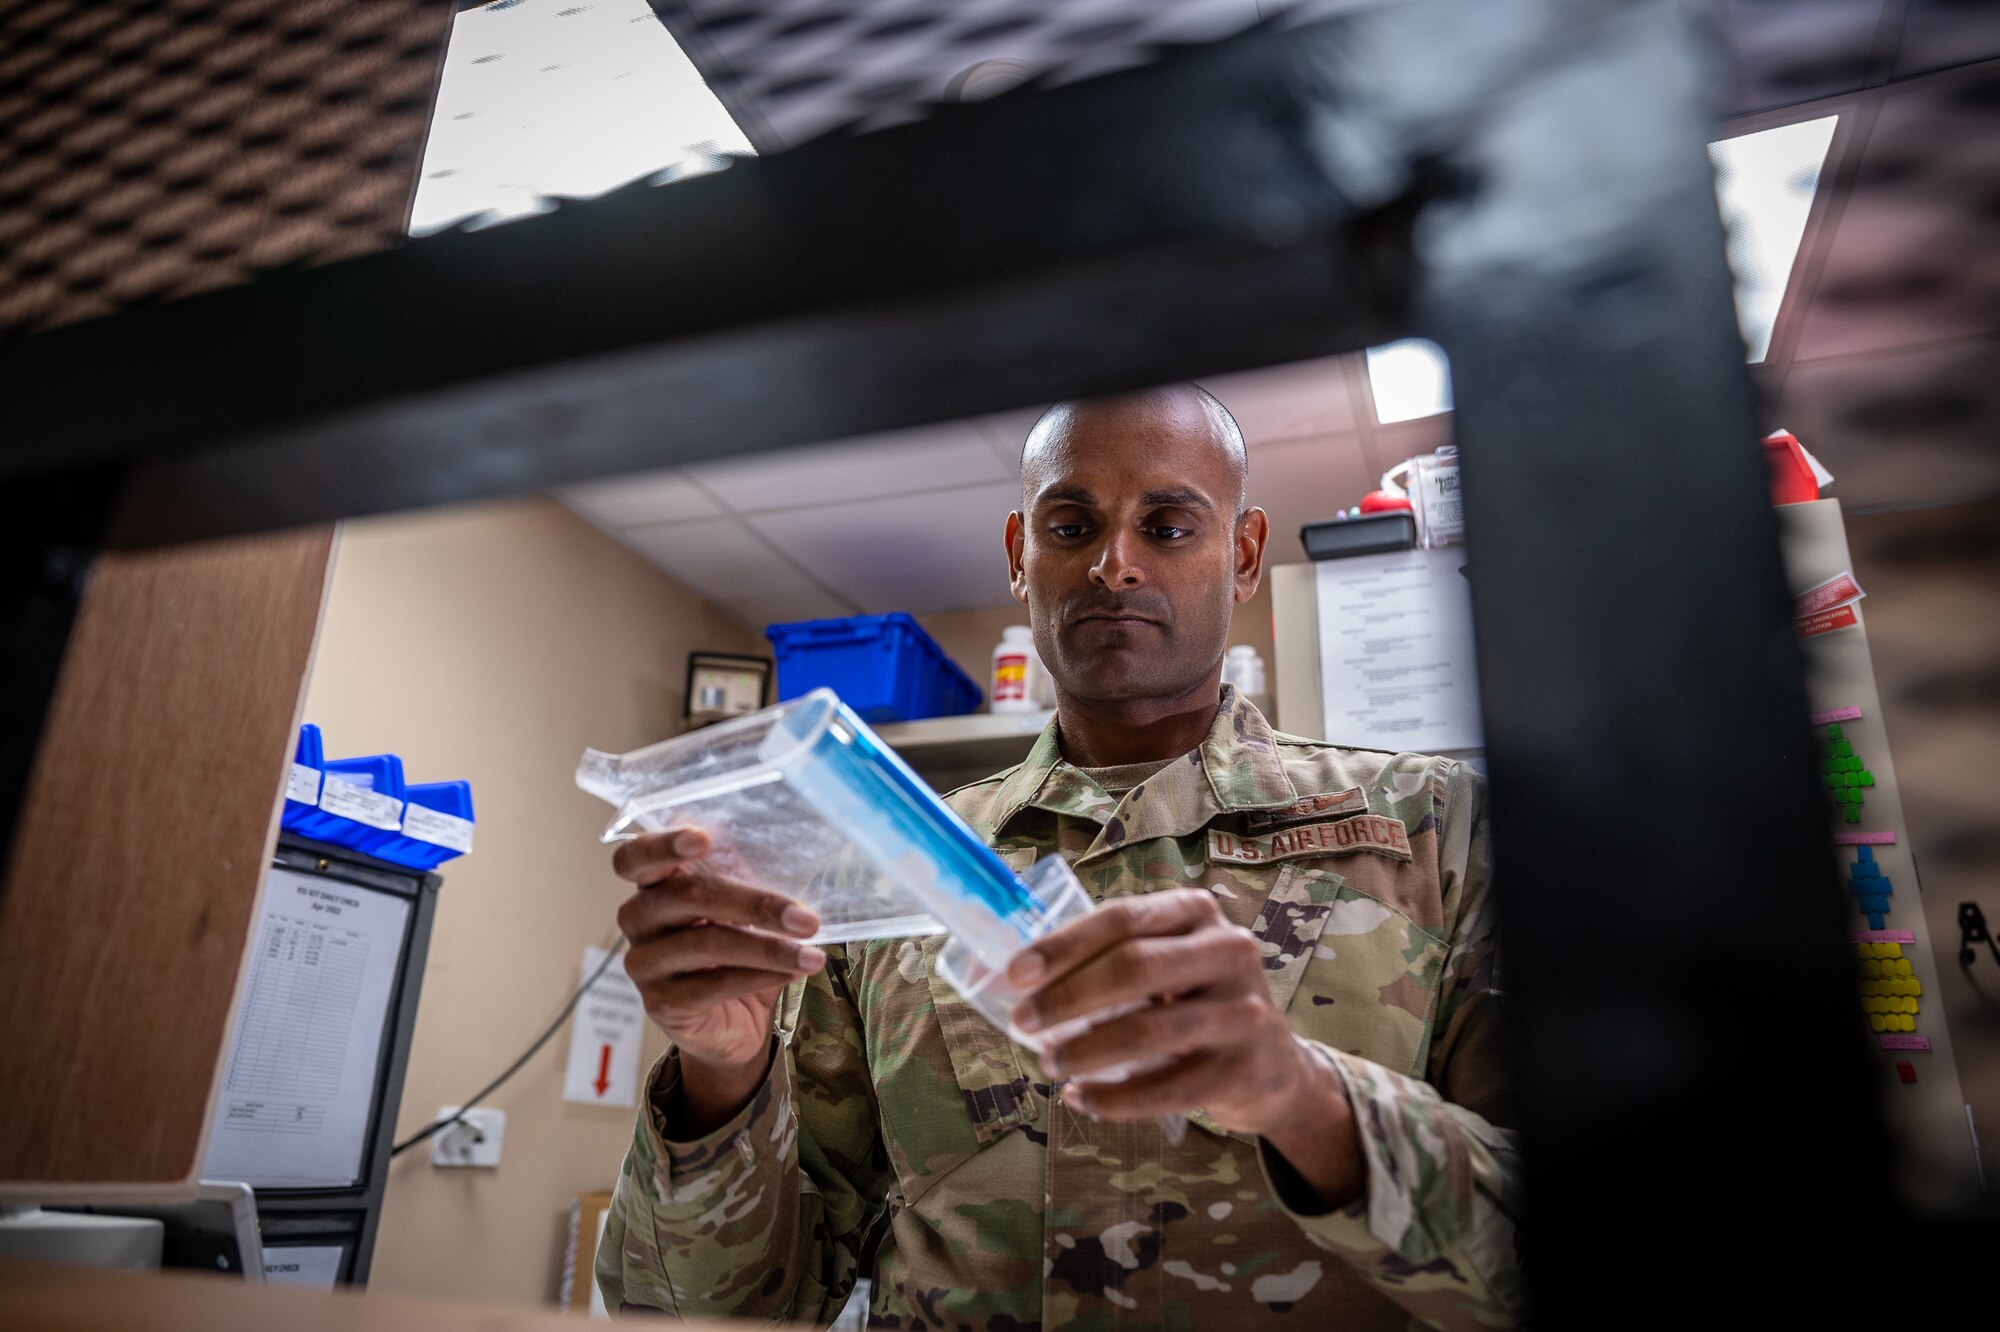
point(791, 70)
point(152, 150)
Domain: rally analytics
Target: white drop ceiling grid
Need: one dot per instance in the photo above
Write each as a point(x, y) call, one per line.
point(1885, 357)
point(913, 520)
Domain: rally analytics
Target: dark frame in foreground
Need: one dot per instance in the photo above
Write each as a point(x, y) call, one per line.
point(1524, 182)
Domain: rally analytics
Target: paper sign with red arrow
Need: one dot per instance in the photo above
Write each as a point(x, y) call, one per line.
point(604, 1038)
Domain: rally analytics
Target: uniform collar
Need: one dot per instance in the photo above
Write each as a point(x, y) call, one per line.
point(1235, 768)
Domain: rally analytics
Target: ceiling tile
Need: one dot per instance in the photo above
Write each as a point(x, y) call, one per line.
point(719, 558)
point(1941, 33)
point(1305, 480)
point(904, 461)
point(638, 499)
point(1916, 256)
point(1388, 446)
point(1007, 432)
point(1782, 52)
point(1901, 427)
point(1298, 401)
point(755, 612)
point(931, 552)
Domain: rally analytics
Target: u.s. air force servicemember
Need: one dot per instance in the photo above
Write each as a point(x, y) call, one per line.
point(1319, 919)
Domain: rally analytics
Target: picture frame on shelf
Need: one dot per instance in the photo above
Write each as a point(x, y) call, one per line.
point(721, 685)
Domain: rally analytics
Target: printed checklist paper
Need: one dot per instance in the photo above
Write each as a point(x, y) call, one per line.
point(299, 1088)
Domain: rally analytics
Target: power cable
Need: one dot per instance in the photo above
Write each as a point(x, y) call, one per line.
point(473, 1102)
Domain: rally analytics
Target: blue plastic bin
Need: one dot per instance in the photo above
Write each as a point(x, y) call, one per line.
point(453, 799)
point(885, 667)
point(308, 770)
point(378, 774)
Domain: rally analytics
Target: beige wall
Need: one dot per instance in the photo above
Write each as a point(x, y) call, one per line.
point(493, 644)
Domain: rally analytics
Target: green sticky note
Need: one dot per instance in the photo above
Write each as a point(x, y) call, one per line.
point(1833, 730)
point(1853, 814)
point(1866, 778)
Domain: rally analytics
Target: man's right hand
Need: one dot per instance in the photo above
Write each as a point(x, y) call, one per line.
point(710, 953)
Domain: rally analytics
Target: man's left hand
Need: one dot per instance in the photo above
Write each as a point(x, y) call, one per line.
point(1210, 1023)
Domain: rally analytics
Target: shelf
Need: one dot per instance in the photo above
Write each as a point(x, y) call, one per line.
point(976, 740)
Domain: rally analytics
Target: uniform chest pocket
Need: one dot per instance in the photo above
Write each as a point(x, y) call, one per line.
point(950, 1083)
point(991, 1071)
point(1366, 972)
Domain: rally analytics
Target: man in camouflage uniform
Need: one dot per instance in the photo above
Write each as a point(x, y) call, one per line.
point(1303, 931)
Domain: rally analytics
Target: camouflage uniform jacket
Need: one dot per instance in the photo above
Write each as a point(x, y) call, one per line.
point(898, 1123)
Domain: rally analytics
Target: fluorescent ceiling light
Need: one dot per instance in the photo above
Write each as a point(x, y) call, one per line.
point(1410, 378)
point(544, 99)
point(1765, 183)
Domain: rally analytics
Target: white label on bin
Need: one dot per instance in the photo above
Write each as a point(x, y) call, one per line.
point(438, 828)
point(303, 785)
point(346, 799)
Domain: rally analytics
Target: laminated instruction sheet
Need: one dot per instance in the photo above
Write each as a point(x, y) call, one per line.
point(299, 1085)
point(1395, 648)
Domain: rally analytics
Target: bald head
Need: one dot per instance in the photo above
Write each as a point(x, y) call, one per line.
point(1185, 414)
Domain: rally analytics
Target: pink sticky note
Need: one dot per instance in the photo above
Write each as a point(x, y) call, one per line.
point(1905, 1041)
point(1882, 936)
point(1864, 839)
point(1836, 715)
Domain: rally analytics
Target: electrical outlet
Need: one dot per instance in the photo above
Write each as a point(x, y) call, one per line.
point(473, 1141)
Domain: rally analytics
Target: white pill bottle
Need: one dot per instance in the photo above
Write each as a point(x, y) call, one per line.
point(1017, 672)
point(1243, 667)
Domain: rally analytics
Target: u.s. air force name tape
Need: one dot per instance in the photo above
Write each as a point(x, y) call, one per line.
point(1360, 832)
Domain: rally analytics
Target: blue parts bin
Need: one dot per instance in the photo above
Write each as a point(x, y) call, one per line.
point(363, 803)
point(437, 825)
point(885, 668)
point(360, 798)
point(302, 783)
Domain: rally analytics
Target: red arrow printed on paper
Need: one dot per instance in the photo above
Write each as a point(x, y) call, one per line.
point(603, 1070)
